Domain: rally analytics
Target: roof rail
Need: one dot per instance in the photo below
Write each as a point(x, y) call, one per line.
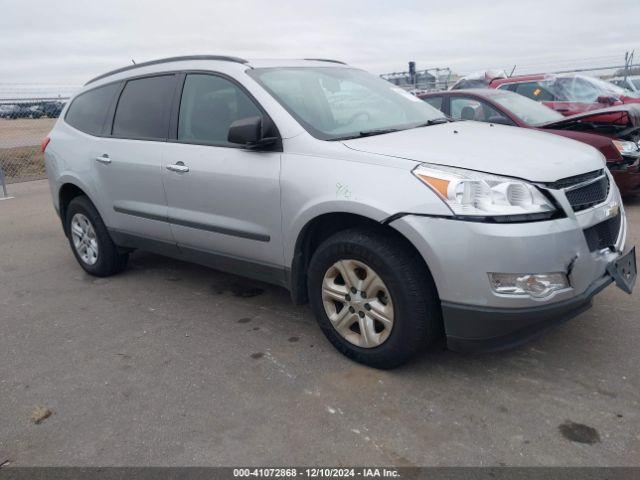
point(167, 60)
point(324, 60)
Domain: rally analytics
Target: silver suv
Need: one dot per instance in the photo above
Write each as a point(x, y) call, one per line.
point(396, 224)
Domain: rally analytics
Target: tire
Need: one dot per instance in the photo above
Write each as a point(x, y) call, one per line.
point(107, 259)
point(405, 290)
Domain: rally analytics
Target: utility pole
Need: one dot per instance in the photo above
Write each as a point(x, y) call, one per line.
point(628, 62)
point(412, 73)
point(5, 195)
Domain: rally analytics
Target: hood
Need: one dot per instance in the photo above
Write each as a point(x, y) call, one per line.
point(515, 152)
point(627, 113)
point(600, 142)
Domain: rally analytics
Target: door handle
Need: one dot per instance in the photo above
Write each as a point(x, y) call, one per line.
point(103, 159)
point(178, 167)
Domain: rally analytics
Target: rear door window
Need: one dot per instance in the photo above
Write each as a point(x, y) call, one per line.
point(535, 91)
point(88, 111)
point(143, 108)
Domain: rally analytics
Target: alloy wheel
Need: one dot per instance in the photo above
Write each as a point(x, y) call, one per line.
point(84, 239)
point(358, 303)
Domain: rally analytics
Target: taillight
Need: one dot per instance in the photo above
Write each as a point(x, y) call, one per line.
point(45, 142)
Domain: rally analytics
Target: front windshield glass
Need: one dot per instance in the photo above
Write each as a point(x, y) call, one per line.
point(606, 86)
point(529, 111)
point(338, 103)
point(582, 89)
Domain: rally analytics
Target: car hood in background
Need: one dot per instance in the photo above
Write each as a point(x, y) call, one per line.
point(620, 114)
point(515, 152)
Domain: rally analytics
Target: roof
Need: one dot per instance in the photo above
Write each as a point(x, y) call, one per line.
point(309, 62)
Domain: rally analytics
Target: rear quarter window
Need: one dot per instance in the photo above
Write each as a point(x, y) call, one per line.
point(89, 110)
point(143, 107)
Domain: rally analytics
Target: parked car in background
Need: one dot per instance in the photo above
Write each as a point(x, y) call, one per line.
point(567, 94)
point(8, 111)
point(631, 82)
point(395, 224)
point(52, 109)
point(31, 111)
point(480, 79)
point(20, 111)
point(508, 108)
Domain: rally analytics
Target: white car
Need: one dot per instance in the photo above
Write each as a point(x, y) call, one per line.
point(398, 225)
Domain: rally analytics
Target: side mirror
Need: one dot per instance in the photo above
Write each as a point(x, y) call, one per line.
point(248, 132)
point(607, 99)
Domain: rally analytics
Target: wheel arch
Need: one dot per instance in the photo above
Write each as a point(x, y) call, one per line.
point(67, 192)
point(318, 229)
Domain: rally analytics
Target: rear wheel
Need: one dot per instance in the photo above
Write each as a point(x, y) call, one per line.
point(90, 241)
point(373, 297)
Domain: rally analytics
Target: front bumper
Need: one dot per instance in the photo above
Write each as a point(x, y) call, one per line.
point(476, 329)
point(461, 254)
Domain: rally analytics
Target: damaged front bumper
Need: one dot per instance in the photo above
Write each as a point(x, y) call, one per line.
point(461, 254)
point(485, 329)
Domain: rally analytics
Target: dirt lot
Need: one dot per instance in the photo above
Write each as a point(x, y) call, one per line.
point(20, 156)
point(24, 132)
point(175, 364)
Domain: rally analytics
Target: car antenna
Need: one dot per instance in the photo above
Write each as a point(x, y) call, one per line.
point(133, 61)
point(512, 70)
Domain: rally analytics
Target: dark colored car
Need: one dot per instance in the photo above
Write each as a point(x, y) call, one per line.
point(52, 109)
point(8, 111)
point(613, 137)
point(20, 111)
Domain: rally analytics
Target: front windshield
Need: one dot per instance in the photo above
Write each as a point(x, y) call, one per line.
point(606, 86)
point(529, 111)
point(582, 89)
point(636, 83)
point(338, 103)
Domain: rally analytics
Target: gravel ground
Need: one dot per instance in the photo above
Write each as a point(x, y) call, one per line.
point(24, 132)
point(175, 364)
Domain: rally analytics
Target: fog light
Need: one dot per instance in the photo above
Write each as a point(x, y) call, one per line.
point(536, 285)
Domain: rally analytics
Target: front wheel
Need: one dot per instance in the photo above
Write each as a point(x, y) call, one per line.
point(374, 297)
point(90, 241)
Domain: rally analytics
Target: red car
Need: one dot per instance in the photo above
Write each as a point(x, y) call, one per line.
point(508, 108)
point(567, 94)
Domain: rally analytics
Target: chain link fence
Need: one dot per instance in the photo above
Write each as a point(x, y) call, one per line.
point(24, 123)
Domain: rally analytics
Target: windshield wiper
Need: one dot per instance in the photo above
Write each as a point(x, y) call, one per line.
point(368, 133)
point(377, 131)
point(434, 121)
point(382, 131)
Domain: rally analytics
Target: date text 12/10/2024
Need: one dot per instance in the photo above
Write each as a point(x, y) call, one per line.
point(316, 472)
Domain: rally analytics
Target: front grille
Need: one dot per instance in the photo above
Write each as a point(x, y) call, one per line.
point(575, 180)
point(603, 234)
point(583, 191)
point(588, 195)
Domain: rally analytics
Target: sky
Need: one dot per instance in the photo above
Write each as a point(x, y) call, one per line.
point(66, 43)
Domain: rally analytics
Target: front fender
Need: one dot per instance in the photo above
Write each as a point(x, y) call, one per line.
point(313, 186)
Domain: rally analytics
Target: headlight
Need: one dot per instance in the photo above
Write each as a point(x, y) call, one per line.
point(476, 194)
point(627, 149)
